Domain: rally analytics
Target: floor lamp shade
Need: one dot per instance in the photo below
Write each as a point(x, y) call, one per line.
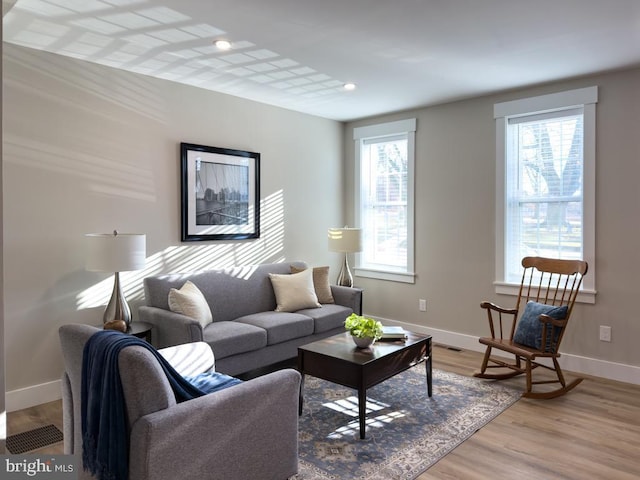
point(116, 252)
point(345, 240)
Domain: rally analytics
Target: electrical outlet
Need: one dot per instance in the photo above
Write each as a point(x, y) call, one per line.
point(605, 333)
point(422, 305)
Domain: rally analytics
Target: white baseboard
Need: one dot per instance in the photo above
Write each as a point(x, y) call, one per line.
point(32, 396)
point(572, 363)
point(51, 391)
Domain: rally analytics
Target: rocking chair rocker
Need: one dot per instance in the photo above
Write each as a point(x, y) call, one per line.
point(547, 294)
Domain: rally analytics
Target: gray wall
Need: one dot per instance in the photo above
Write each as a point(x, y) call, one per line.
point(90, 149)
point(455, 220)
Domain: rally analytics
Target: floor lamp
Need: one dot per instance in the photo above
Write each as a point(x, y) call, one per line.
point(116, 252)
point(345, 240)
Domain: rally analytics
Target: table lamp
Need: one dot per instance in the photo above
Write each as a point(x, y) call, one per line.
point(345, 240)
point(116, 252)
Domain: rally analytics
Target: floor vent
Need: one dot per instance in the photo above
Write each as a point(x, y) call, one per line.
point(33, 439)
point(447, 347)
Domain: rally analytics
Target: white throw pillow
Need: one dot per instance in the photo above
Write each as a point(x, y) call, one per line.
point(190, 301)
point(295, 291)
point(320, 283)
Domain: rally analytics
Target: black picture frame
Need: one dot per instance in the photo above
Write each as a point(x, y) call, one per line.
point(220, 193)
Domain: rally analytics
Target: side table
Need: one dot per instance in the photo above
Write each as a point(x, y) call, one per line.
point(141, 330)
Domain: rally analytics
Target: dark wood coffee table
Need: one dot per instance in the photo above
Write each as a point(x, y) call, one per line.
point(337, 360)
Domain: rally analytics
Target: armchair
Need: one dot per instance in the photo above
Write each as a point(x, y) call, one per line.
point(249, 430)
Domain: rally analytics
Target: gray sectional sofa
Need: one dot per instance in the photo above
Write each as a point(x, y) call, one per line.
point(246, 332)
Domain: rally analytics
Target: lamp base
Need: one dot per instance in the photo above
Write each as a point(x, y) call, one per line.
point(118, 308)
point(345, 279)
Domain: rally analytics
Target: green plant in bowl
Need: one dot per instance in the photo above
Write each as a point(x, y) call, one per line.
point(363, 327)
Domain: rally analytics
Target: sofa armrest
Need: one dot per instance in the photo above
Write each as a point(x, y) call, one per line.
point(348, 297)
point(246, 431)
point(170, 328)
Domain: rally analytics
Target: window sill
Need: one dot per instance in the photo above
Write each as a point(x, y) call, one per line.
point(584, 296)
point(402, 277)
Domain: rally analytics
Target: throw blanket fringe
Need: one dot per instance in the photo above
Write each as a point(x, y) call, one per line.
point(104, 419)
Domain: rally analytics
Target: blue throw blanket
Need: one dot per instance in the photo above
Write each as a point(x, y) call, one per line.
point(104, 417)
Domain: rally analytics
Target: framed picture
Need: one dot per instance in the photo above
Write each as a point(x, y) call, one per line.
point(220, 193)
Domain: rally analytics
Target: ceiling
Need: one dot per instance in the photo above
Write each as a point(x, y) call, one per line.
point(298, 54)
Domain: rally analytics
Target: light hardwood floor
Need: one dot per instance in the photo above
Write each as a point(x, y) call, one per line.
point(593, 432)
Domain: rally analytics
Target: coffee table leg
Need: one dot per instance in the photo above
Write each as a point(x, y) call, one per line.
point(429, 375)
point(362, 411)
point(300, 397)
point(428, 365)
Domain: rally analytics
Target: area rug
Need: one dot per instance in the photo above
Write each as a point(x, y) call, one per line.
point(407, 432)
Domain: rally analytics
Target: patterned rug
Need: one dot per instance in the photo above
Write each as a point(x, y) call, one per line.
point(407, 431)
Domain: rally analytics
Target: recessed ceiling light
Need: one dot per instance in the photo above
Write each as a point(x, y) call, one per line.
point(222, 44)
point(349, 86)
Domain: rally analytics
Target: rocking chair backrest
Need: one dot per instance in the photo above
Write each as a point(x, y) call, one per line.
point(552, 282)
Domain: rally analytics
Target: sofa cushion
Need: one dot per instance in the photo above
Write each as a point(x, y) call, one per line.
point(280, 326)
point(321, 283)
point(294, 291)
point(190, 358)
point(189, 301)
point(328, 317)
point(231, 338)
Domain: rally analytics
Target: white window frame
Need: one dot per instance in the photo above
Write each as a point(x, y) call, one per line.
point(585, 98)
point(360, 135)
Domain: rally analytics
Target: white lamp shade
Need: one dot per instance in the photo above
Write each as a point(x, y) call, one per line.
point(110, 252)
point(345, 240)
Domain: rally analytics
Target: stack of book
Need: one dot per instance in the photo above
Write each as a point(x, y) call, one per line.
point(393, 333)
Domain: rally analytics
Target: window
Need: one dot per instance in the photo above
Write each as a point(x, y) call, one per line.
point(384, 200)
point(546, 182)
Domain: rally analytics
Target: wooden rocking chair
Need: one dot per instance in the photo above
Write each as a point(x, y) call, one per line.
point(547, 294)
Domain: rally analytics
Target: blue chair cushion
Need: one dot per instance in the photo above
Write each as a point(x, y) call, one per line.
point(210, 382)
point(529, 329)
